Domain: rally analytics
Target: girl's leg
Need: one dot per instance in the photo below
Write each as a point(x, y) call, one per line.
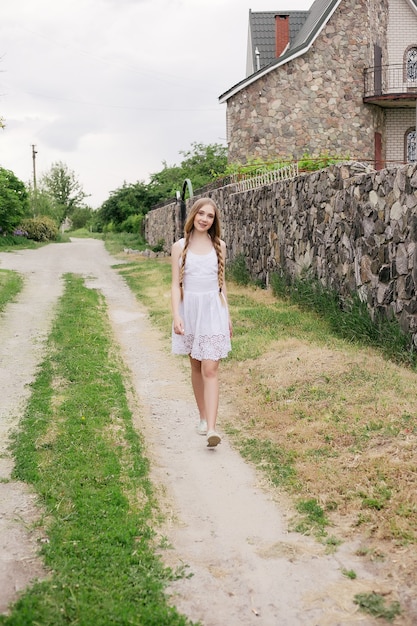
point(210, 378)
point(198, 386)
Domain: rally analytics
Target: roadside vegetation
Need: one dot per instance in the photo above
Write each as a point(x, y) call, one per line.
point(78, 449)
point(327, 416)
point(10, 285)
point(321, 411)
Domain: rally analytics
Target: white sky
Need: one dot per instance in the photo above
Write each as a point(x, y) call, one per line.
point(113, 88)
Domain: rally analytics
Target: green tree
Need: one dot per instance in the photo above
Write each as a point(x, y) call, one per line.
point(64, 190)
point(14, 202)
point(202, 164)
point(164, 184)
point(124, 202)
point(82, 217)
point(42, 203)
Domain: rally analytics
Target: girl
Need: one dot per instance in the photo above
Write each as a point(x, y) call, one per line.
point(201, 324)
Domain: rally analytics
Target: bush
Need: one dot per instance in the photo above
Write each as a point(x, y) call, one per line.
point(40, 228)
point(132, 224)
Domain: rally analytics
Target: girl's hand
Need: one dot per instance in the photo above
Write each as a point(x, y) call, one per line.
point(230, 327)
point(178, 326)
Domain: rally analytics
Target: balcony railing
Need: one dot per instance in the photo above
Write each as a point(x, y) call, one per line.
point(390, 82)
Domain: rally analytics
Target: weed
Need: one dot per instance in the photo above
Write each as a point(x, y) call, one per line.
point(237, 270)
point(349, 573)
point(313, 513)
point(374, 604)
point(159, 247)
point(331, 544)
point(278, 463)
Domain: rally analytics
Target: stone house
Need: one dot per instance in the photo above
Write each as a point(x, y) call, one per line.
point(340, 78)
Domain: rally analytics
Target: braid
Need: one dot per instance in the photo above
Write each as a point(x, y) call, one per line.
point(220, 262)
point(182, 266)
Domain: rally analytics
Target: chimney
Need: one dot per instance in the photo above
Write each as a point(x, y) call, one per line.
point(282, 33)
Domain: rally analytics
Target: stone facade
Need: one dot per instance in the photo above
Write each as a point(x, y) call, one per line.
point(314, 103)
point(354, 229)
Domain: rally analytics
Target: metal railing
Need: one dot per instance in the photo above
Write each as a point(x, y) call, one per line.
point(389, 80)
point(261, 177)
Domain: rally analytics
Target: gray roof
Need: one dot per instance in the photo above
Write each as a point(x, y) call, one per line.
point(317, 17)
point(262, 32)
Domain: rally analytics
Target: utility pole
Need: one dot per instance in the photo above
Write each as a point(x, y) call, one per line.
point(34, 153)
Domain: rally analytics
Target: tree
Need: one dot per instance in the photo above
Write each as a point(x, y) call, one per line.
point(42, 204)
point(124, 202)
point(204, 163)
point(14, 202)
point(82, 217)
point(166, 183)
point(63, 188)
point(201, 165)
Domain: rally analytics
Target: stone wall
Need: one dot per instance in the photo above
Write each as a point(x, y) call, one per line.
point(354, 229)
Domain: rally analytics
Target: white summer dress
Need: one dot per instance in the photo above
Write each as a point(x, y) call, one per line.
point(203, 310)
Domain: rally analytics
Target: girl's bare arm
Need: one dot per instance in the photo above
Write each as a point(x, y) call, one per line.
point(175, 289)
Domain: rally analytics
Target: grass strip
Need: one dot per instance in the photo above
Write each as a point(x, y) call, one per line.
point(78, 448)
point(10, 285)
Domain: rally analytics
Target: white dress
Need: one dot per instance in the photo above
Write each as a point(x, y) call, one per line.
point(203, 310)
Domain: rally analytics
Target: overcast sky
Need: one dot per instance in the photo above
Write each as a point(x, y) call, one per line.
point(115, 88)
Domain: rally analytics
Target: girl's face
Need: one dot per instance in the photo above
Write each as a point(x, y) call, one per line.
point(204, 218)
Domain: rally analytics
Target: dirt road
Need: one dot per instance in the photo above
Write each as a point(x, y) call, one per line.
point(221, 521)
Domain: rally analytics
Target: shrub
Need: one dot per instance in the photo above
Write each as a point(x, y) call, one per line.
point(132, 224)
point(40, 228)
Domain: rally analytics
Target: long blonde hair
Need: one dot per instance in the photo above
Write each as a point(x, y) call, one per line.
point(214, 234)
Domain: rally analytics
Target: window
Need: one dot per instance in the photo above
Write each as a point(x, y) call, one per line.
point(410, 146)
point(411, 64)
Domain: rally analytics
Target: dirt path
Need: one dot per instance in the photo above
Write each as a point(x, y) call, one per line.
point(221, 521)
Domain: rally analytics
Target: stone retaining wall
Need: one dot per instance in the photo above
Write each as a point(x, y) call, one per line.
point(354, 229)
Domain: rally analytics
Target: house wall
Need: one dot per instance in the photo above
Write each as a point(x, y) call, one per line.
point(314, 103)
point(401, 31)
point(398, 121)
point(354, 230)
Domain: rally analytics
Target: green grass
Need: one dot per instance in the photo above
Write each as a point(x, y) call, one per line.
point(374, 604)
point(256, 324)
point(348, 318)
point(10, 243)
point(78, 449)
point(116, 242)
point(10, 285)
point(140, 276)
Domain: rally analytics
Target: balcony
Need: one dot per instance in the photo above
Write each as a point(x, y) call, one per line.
point(390, 86)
